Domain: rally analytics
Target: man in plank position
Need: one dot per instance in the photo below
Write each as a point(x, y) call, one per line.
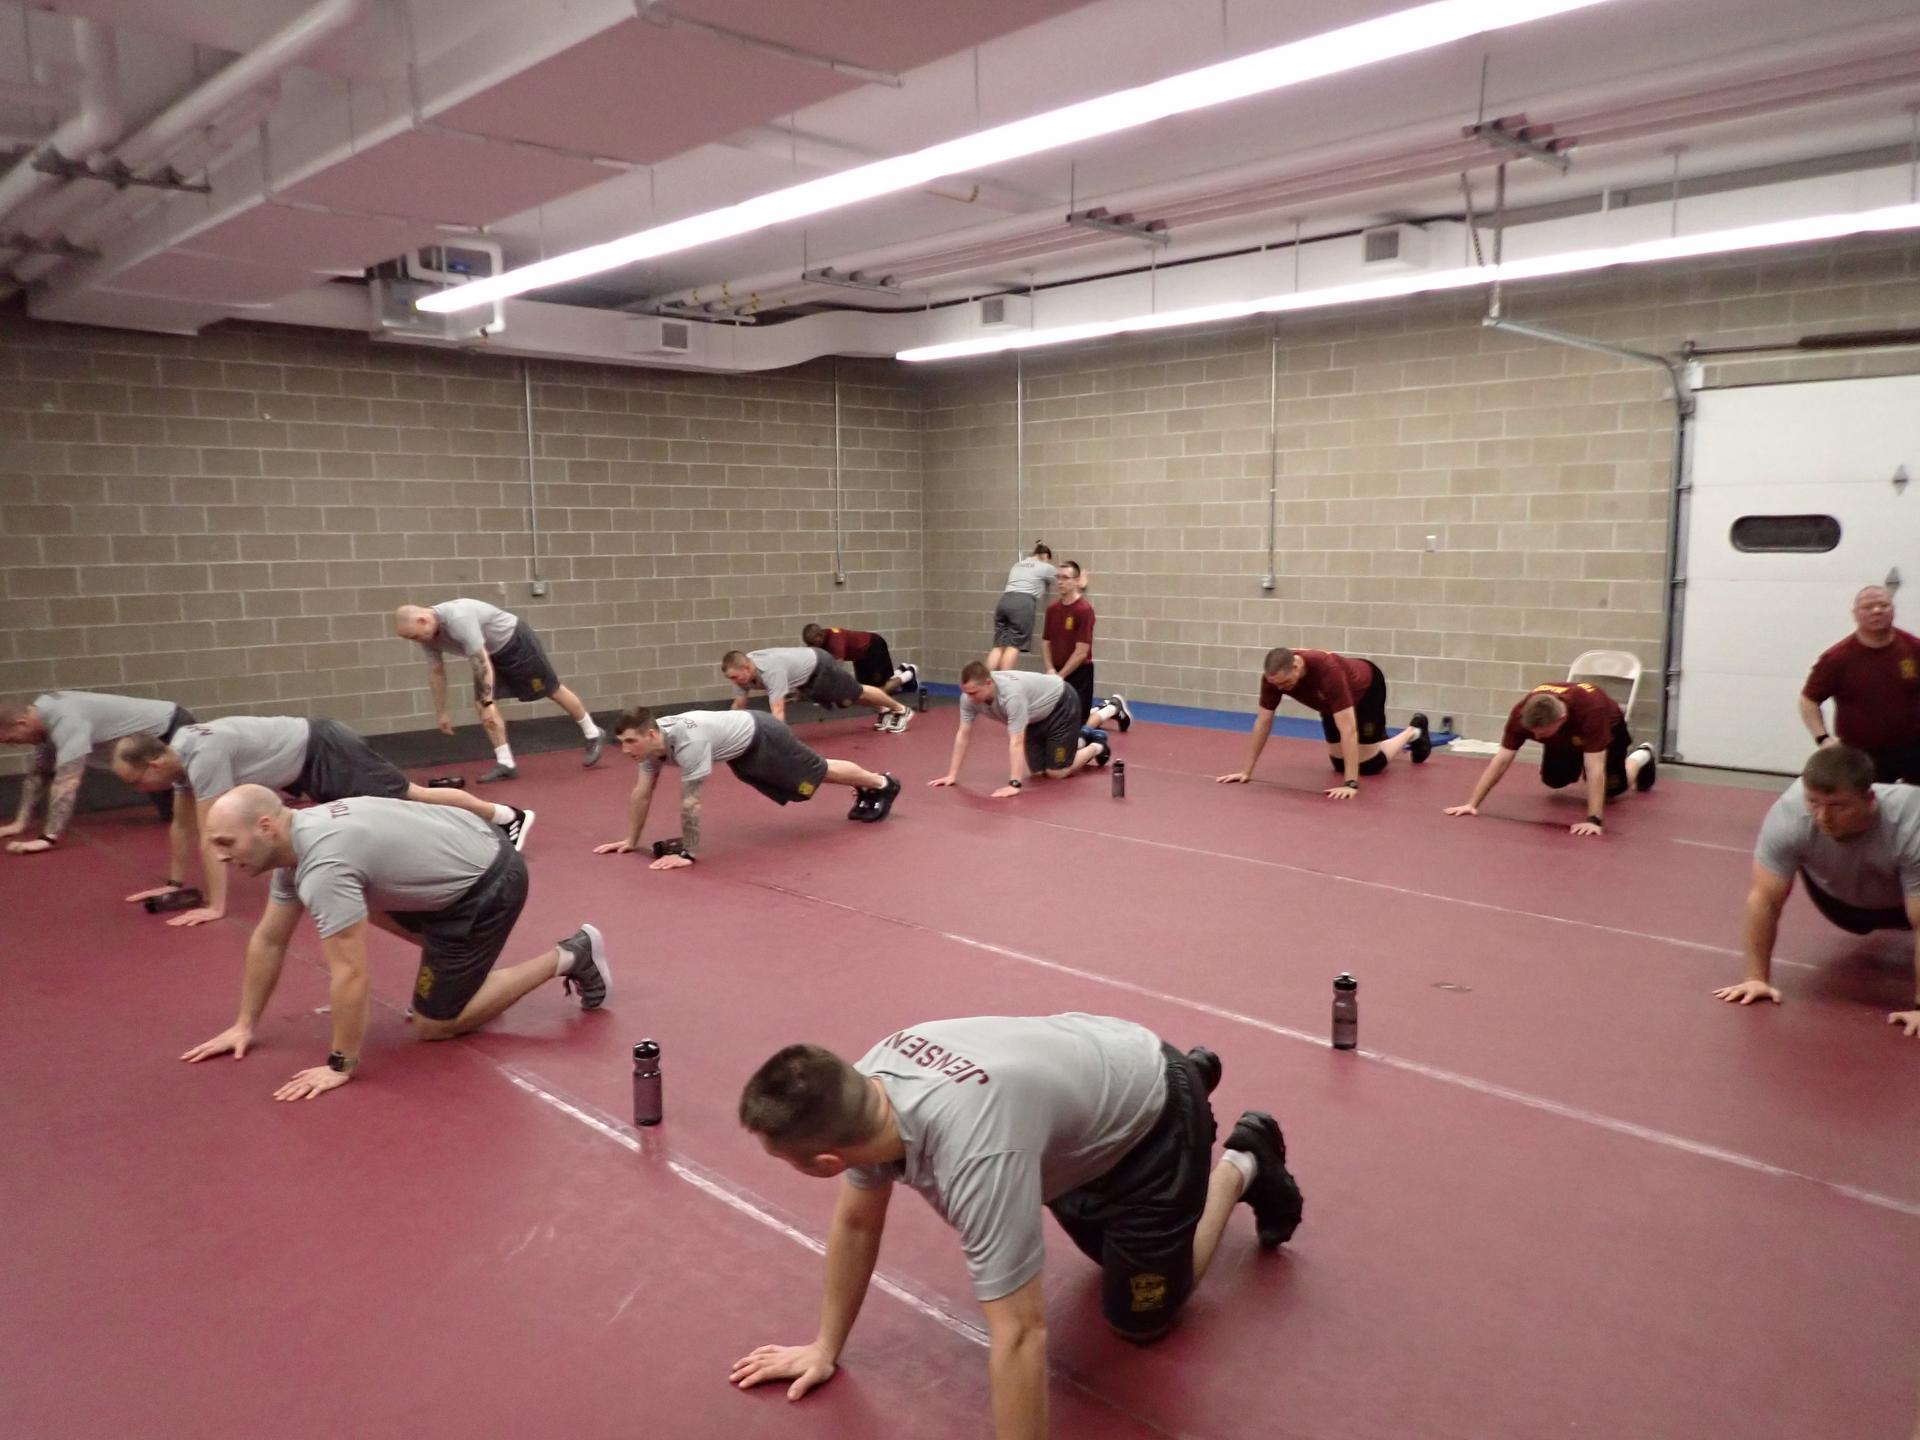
point(761, 750)
point(1582, 733)
point(318, 760)
point(813, 675)
point(1096, 1119)
point(1042, 716)
point(68, 729)
point(1350, 697)
point(437, 878)
point(506, 656)
point(1856, 844)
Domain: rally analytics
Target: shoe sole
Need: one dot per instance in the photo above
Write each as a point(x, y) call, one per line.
point(597, 952)
point(1123, 716)
point(1422, 745)
point(526, 829)
point(490, 779)
point(1643, 782)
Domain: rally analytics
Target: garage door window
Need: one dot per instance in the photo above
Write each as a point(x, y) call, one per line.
point(1788, 534)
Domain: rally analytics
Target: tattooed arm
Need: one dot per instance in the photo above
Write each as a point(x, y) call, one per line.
point(690, 815)
point(64, 792)
point(33, 789)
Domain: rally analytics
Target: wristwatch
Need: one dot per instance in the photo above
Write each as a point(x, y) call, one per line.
point(340, 1064)
point(1016, 784)
point(1596, 820)
point(1351, 784)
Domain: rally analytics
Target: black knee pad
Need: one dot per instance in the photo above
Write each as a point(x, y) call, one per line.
point(1374, 765)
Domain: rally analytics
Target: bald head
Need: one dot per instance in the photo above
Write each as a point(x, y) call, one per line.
point(415, 622)
point(1873, 614)
point(248, 828)
point(20, 723)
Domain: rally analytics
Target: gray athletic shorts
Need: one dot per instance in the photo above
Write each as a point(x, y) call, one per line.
point(340, 764)
point(1013, 620)
point(1053, 742)
point(460, 944)
point(777, 764)
point(831, 682)
point(522, 669)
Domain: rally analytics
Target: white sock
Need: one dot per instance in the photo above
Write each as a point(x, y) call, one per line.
point(563, 961)
point(587, 727)
point(504, 754)
point(503, 814)
point(1242, 1161)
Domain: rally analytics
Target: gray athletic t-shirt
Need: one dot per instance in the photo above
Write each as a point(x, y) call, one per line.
point(784, 670)
point(1019, 696)
point(467, 627)
point(698, 738)
point(1000, 1115)
point(367, 853)
point(265, 750)
point(83, 725)
point(1031, 576)
point(1876, 870)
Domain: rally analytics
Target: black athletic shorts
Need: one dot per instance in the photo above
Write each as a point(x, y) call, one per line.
point(462, 942)
point(1081, 683)
point(521, 667)
point(831, 682)
point(777, 764)
point(1562, 765)
point(1013, 620)
point(1855, 919)
point(1054, 741)
point(340, 764)
point(1896, 765)
point(875, 668)
point(1369, 713)
point(1137, 1220)
point(163, 799)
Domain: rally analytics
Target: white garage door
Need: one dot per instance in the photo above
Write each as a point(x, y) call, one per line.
point(1795, 506)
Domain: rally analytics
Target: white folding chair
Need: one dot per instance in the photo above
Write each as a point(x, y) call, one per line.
point(1609, 665)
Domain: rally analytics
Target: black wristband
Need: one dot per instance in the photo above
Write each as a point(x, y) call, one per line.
point(1017, 784)
point(664, 848)
point(1821, 739)
point(1595, 820)
point(1351, 784)
point(50, 839)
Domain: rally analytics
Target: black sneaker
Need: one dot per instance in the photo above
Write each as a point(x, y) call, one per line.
point(518, 828)
point(1422, 745)
point(587, 975)
point(863, 803)
point(1121, 714)
point(594, 747)
point(1644, 780)
point(1208, 1064)
point(881, 801)
point(1272, 1193)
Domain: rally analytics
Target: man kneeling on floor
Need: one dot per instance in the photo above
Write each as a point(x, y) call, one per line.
point(1044, 731)
point(758, 748)
point(1856, 844)
point(438, 878)
point(991, 1118)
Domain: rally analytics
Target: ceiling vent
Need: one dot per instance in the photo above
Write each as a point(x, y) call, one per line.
point(1394, 247)
point(657, 335)
point(1006, 312)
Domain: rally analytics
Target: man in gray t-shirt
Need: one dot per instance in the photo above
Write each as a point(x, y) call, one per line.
point(759, 749)
point(1045, 733)
point(812, 674)
point(991, 1119)
point(506, 656)
point(70, 730)
point(1857, 846)
point(319, 759)
point(437, 878)
point(1019, 606)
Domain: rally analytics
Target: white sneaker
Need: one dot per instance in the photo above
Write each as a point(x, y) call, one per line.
point(898, 721)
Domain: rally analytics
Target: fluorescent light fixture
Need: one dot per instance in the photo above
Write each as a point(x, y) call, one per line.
point(1576, 262)
point(1403, 33)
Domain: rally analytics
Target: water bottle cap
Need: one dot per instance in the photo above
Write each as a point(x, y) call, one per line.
point(646, 1050)
point(1344, 981)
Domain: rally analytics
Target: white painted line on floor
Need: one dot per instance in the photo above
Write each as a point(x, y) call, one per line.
point(1712, 845)
point(1415, 1067)
point(718, 1189)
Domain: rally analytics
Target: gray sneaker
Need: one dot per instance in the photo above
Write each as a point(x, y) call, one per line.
point(586, 974)
point(497, 772)
point(594, 747)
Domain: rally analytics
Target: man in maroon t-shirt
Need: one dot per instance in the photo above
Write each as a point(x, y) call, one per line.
point(1069, 649)
point(1873, 679)
point(866, 652)
point(1350, 696)
point(1582, 732)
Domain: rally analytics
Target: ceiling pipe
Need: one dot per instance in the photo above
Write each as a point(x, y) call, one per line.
point(97, 123)
point(205, 105)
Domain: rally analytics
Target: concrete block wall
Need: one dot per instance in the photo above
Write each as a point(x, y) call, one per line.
point(1541, 472)
point(229, 520)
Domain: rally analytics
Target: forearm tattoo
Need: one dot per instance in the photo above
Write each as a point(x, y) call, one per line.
point(32, 791)
point(690, 818)
point(483, 687)
point(66, 792)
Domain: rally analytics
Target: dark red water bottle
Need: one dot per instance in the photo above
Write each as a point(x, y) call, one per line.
point(1346, 1012)
point(1119, 779)
point(646, 1083)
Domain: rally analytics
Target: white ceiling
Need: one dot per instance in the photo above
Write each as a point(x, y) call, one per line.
point(553, 125)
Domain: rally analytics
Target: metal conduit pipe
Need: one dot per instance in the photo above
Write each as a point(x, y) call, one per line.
point(1019, 453)
point(1271, 579)
point(98, 122)
point(533, 484)
point(839, 557)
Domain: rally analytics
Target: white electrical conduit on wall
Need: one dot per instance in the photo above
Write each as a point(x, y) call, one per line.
point(98, 122)
point(202, 106)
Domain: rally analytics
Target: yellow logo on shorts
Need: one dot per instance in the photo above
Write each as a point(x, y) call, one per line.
point(1149, 1291)
point(807, 787)
point(1908, 670)
point(1059, 755)
point(538, 685)
point(423, 983)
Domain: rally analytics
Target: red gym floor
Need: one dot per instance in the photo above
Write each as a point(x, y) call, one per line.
point(1560, 1192)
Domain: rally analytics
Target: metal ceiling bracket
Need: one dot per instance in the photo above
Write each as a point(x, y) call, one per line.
point(117, 174)
point(58, 246)
point(860, 280)
point(1531, 142)
point(1154, 232)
